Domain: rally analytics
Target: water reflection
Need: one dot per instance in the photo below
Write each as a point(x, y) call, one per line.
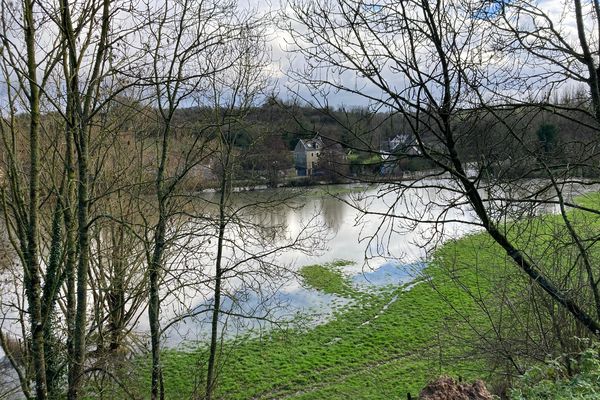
point(389, 273)
point(333, 211)
point(261, 288)
point(251, 313)
point(384, 252)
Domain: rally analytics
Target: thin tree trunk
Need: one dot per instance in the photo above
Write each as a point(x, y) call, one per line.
point(154, 275)
point(588, 58)
point(32, 268)
point(81, 106)
point(71, 255)
point(210, 374)
point(79, 342)
point(50, 291)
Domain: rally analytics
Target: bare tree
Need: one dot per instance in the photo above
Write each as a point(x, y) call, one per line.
point(430, 65)
point(234, 92)
point(61, 83)
point(195, 37)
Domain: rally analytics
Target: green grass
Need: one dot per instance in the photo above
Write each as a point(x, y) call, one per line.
point(387, 342)
point(328, 278)
point(384, 346)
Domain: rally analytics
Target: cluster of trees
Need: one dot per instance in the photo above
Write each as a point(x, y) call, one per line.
point(276, 126)
point(96, 169)
point(364, 134)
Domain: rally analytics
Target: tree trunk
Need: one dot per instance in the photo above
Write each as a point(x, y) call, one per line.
point(32, 277)
point(588, 58)
point(154, 275)
point(210, 374)
point(79, 334)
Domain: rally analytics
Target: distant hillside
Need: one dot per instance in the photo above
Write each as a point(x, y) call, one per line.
point(292, 122)
point(482, 136)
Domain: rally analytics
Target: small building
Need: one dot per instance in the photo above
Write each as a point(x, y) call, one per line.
point(402, 143)
point(306, 156)
point(396, 150)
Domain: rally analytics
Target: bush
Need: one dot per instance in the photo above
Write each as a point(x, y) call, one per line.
point(552, 380)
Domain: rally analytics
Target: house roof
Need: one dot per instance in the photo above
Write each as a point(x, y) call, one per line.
point(312, 144)
point(402, 143)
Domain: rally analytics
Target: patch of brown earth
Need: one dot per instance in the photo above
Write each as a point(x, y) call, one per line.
point(446, 388)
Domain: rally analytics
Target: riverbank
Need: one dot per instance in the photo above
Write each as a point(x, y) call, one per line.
point(251, 185)
point(388, 342)
point(385, 341)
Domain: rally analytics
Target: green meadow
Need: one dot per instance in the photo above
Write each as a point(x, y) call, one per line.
point(384, 342)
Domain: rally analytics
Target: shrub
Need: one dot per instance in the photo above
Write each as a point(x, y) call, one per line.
point(552, 380)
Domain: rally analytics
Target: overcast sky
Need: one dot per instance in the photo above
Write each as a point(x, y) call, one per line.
point(282, 61)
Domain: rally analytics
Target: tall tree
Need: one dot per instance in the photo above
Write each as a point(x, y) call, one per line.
point(187, 43)
point(430, 64)
point(234, 92)
point(61, 82)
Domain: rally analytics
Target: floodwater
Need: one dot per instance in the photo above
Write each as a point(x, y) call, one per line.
point(387, 235)
point(315, 226)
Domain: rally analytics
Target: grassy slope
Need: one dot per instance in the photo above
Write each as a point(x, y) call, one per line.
point(385, 345)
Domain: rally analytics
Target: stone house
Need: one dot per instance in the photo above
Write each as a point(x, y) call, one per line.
point(306, 156)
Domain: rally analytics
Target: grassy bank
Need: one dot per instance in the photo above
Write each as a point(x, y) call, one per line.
point(388, 341)
point(329, 279)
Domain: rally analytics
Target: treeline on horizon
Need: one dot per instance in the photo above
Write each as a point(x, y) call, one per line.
point(486, 135)
point(266, 136)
